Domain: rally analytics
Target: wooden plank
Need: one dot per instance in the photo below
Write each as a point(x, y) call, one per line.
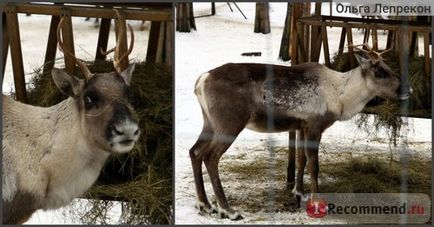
point(350, 49)
point(374, 39)
point(16, 53)
point(368, 21)
point(50, 53)
point(5, 43)
point(68, 41)
point(395, 27)
point(427, 59)
point(366, 35)
point(153, 41)
point(296, 13)
point(290, 171)
point(342, 41)
point(325, 44)
point(122, 46)
point(159, 58)
point(314, 46)
point(103, 37)
point(169, 44)
point(301, 44)
point(82, 11)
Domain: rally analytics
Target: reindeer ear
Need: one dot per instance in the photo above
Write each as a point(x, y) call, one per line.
point(364, 63)
point(67, 84)
point(128, 73)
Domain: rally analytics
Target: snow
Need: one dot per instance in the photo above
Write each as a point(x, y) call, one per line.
point(221, 39)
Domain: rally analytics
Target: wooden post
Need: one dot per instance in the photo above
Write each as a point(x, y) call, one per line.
point(296, 13)
point(13, 32)
point(325, 44)
point(262, 18)
point(374, 39)
point(154, 33)
point(427, 59)
point(342, 41)
point(121, 45)
point(160, 48)
point(5, 43)
point(284, 52)
point(315, 46)
point(290, 174)
point(169, 37)
point(103, 37)
point(50, 53)
point(350, 49)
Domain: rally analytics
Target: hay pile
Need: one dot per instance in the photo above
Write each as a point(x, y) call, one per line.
point(388, 113)
point(141, 179)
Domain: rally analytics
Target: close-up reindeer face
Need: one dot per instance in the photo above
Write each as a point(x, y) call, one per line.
point(379, 77)
point(107, 117)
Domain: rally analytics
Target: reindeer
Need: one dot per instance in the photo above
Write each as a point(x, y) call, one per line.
point(52, 155)
point(269, 98)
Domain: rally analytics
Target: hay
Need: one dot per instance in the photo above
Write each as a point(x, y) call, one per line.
point(388, 113)
point(141, 179)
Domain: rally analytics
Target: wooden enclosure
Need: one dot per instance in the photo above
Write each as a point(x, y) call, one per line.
point(161, 36)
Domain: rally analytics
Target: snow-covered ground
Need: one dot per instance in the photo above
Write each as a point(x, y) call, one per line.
point(221, 39)
point(34, 35)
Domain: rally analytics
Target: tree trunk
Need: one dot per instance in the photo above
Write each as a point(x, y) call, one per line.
point(262, 18)
point(284, 53)
point(185, 17)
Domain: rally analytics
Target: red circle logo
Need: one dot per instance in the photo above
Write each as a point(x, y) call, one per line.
point(316, 207)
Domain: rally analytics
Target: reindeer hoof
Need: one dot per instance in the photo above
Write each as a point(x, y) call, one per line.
point(205, 208)
point(231, 214)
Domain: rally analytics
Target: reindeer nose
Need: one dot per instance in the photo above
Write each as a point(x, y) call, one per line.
point(128, 129)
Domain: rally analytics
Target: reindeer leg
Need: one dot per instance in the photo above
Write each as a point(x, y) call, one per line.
point(196, 156)
point(298, 190)
point(221, 142)
point(313, 138)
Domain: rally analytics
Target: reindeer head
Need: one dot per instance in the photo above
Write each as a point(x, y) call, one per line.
point(101, 99)
point(379, 78)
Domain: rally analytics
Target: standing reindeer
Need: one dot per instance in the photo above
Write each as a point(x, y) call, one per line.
point(52, 155)
point(271, 98)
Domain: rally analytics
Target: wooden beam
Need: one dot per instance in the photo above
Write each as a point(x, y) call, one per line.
point(50, 53)
point(169, 38)
point(16, 53)
point(103, 37)
point(154, 32)
point(5, 43)
point(83, 11)
point(345, 22)
point(325, 44)
point(342, 41)
point(350, 49)
point(296, 13)
point(427, 59)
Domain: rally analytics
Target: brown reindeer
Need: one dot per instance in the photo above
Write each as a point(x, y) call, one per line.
point(53, 155)
point(271, 98)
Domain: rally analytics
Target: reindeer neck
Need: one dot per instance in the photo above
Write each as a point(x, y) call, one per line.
point(355, 94)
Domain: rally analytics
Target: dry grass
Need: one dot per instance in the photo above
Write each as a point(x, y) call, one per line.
point(388, 113)
point(261, 183)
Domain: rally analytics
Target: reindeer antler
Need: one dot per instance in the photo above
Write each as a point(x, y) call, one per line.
point(116, 59)
point(79, 62)
point(371, 52)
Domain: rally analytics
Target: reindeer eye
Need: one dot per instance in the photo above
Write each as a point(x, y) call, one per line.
point(381, 73)
point(88, 102)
